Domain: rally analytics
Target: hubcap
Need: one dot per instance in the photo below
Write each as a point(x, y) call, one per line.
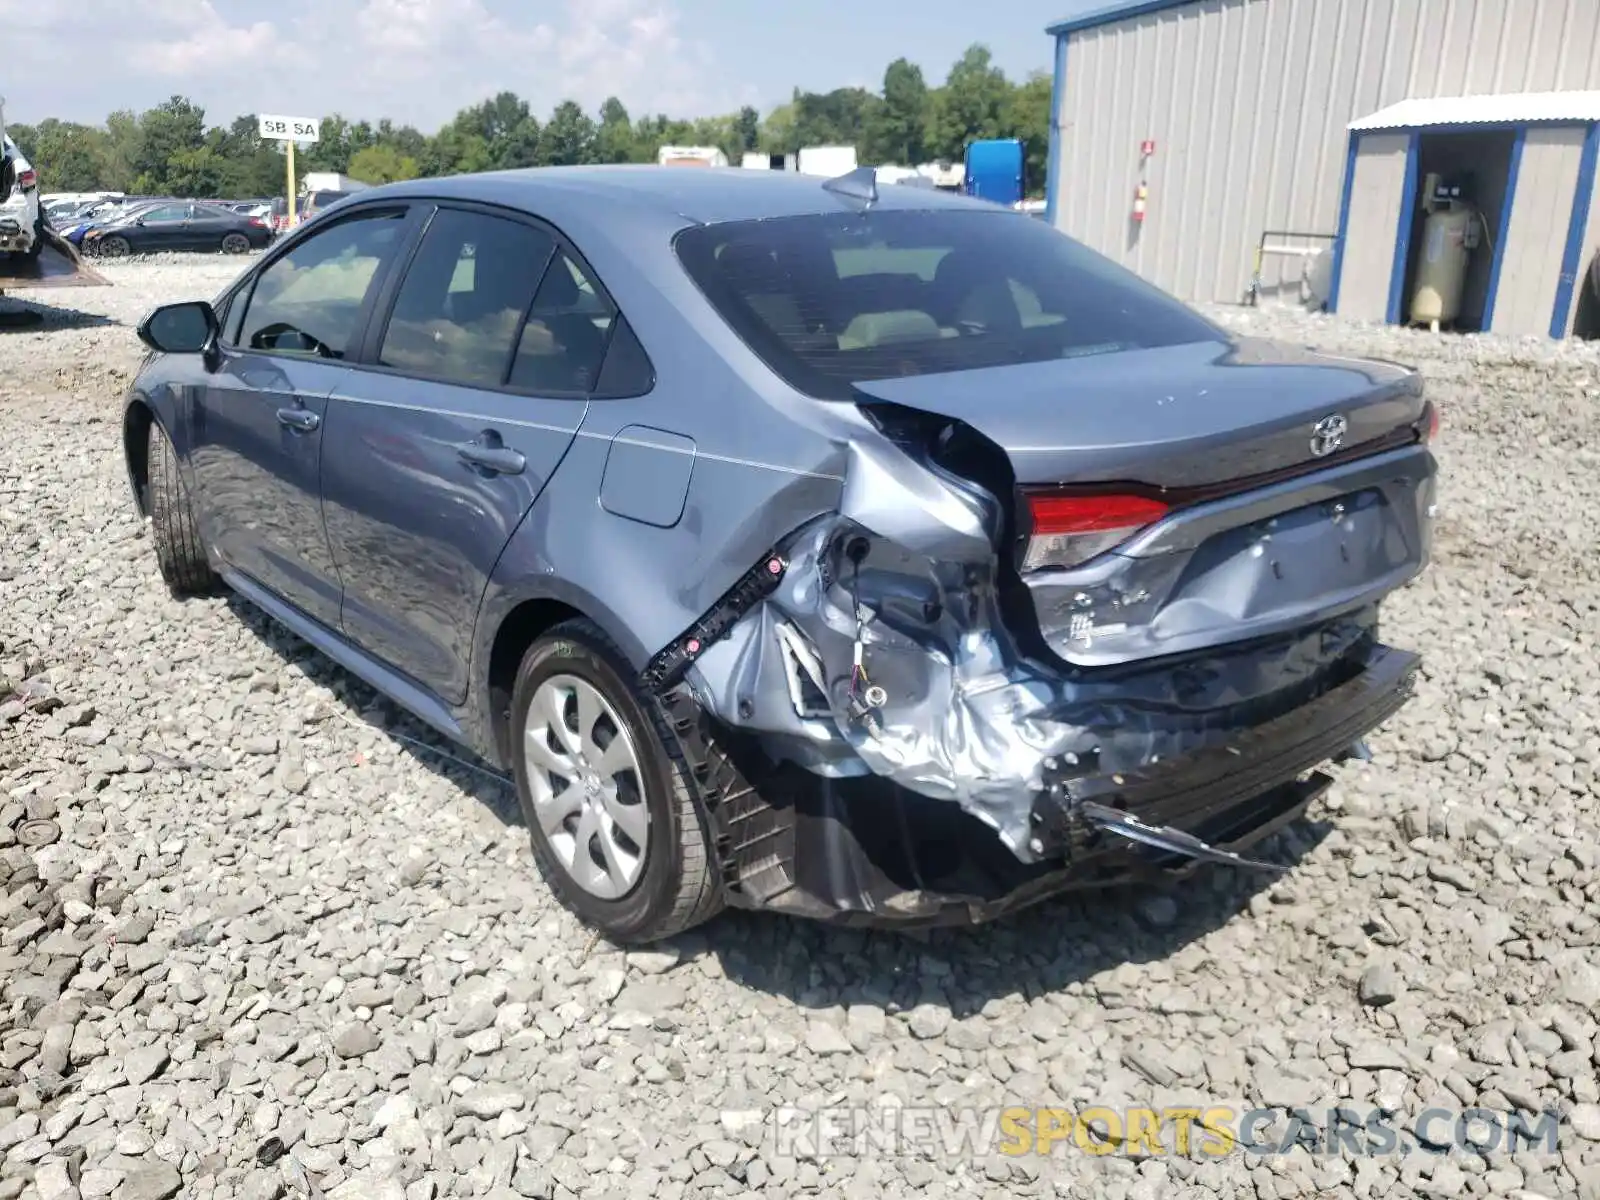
point(588, 791)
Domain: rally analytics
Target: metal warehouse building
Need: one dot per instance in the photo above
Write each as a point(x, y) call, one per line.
point(1196, 141)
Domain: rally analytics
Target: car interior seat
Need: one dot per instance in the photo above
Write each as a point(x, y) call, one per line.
point(969, 297)
point(576, 344)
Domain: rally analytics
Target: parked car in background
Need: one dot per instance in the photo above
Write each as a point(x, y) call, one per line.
point(65, 206)
point(104, 212)
point(868, 554)
point(176, 225)
point(313, 203)
point(21, 215)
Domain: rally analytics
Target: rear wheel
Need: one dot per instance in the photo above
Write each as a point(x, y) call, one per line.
point(235, 243)
point(616, 832)
point(179, 552)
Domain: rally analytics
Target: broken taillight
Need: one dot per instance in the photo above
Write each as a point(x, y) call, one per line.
point(1072, 529)
point(27, 180)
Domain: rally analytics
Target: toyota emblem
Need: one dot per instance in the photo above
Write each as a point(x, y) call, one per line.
point(1327, 435)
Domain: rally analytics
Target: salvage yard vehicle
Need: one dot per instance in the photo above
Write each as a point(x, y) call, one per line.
point(21, 216)
point(175, 225)
point(868, 556)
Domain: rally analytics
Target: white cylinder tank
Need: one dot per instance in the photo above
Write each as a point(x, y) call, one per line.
point(1442, 269)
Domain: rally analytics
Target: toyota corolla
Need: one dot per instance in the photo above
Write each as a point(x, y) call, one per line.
point(870, 555)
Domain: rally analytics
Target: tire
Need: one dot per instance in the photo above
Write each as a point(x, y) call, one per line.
point(179, 552)
point(676, 885)
point(115, 246)
point(235, 243)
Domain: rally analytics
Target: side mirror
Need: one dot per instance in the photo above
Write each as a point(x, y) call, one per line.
point(187, 328)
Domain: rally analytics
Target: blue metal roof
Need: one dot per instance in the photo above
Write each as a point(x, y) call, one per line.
point(1112, 12)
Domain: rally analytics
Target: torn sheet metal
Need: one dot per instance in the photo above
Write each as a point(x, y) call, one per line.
point(1166, 838)
point(880, 648)
point(960, 713)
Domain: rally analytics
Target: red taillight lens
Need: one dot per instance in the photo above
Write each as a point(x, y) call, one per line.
point(258, 222)
point(28, 179)
point(1068, 530)
point(1432, 429)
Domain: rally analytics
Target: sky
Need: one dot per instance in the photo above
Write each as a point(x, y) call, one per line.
point(420, 61)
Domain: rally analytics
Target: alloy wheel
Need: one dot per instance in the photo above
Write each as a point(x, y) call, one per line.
point(588, 797)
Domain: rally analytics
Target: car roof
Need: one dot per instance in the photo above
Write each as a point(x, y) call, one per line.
point(703, 196)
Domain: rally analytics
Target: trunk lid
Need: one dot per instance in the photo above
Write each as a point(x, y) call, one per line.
point(1178, 417)
point(1271, 525)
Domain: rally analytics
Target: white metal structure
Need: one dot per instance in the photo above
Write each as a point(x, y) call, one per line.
point(691, 156)
point(1513, 108)
point(1245, 105)
point(829, 162)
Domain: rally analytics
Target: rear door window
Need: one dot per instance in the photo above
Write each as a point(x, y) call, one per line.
point(312, 299)
point(568, 329)
point(832, 299)
point(461, 308)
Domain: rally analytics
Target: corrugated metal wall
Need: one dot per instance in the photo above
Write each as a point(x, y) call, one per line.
point(1539, 221)
point(1248, 100)
point(1375, 198)
point(1591, 240)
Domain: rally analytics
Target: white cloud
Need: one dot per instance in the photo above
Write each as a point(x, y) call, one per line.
point(416, 61)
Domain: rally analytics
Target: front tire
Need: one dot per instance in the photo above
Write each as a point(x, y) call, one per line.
point(179, 551)
point(610, 809)
point(115, 246)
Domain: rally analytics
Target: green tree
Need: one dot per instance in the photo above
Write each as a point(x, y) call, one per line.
point(747, 129)
point(198, 173)
point(778, 131)
point(173, 128)
point(331, 151)
point(68, 157)
point(569, 138)
point(895, 133)
point(453, 152)
point(124, 142)
point(614, 140)
point(833, 118)
point(506, 127)
point(409, 142)
point(1028, 118)
point(972, 105)
point(382, 164)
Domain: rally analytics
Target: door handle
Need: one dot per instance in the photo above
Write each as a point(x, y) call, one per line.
point(300, 418)
point(493, 457)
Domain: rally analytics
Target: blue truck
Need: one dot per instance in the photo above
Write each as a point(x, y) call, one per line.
point(994, 170)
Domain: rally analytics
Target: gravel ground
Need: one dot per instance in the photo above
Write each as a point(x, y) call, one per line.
point(242, 899)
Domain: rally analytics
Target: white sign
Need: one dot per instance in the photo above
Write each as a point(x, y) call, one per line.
point(290, 129)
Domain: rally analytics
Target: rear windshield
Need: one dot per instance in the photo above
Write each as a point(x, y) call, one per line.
point(828, 300)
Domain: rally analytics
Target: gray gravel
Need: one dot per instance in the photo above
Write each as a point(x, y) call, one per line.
point(247, 907)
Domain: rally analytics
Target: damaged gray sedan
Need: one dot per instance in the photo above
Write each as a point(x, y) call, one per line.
point(875, 556)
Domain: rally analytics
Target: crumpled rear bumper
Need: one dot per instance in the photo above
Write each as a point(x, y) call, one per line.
point(16, 225)
point(865, 852)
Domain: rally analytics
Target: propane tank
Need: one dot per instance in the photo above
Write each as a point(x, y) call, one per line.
point(1448, 237)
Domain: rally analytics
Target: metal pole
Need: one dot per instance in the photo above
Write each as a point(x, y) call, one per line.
point(289, 160)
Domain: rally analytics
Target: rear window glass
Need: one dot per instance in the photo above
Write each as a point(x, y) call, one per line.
point(829, 300)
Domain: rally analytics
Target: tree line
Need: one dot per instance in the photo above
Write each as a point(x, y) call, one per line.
point(170, 150)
